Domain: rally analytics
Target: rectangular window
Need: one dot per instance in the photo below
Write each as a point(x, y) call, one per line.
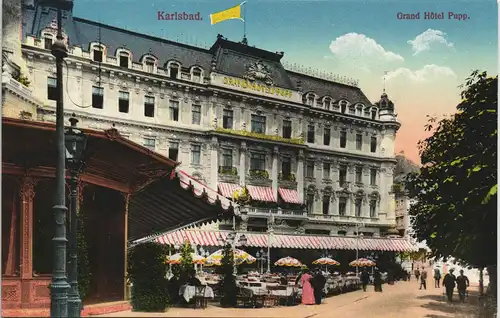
point(287, 129)
point(258, 124)
point(310, 170)
point(174, 110)
point(374, 114)
point(227, 158)
point(123, 102)
point(149, 106)
point(343, 138)
point(342, 206)
point(97, 56)
point(227, 119)
point(196, 114)
point(150, 65)
point(173, 151)
point(310, 203)
point(258, 161)
point(97, 97)
point(373, 177)
point(52, 91)
point(174, 71)
point(373, 211)
point(310, 133)
point(195, 154)
point(359, 175)
point(326, 204)
point(150, 143)
point(326, 137)
point(373, 144)
point(359, 141)
point(342, 175)
point(326, 170)
point(48, 43)
point(286, 167)
point(124, 60)
point(357, 208)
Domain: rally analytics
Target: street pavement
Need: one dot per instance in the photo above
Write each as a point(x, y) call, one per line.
point(403, 299)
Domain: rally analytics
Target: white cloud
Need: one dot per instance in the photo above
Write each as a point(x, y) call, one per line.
point(423, 41)
point(363, 51)
point(427, 73)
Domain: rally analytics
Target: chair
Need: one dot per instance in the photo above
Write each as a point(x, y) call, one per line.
point(199, 297)
point(245, 298)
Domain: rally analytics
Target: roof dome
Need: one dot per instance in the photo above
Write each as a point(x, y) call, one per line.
point(385, 103)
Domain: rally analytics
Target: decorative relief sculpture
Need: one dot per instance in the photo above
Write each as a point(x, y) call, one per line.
point(258, 72)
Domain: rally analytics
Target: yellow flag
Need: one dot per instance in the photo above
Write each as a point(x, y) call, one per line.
point(228, 14)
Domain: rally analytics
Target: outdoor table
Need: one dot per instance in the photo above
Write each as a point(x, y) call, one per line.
point(188, 292)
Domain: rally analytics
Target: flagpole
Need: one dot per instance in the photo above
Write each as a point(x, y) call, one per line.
point(244, 22)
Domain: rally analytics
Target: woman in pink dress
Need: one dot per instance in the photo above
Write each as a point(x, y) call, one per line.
point(307, 290)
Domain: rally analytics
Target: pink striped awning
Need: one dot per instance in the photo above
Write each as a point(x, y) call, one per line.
point(265, 194)
point(210, 238)
point(289, 196)
point(227, 189)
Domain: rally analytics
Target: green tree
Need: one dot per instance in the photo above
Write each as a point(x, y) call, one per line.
point(186, 265)
point(455, 192)
point(228, 282)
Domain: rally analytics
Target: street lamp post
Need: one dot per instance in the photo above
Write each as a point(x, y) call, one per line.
point(76, 142)
point(233, 238)
point(59, 285)
point(358, 237)
point(261, 257)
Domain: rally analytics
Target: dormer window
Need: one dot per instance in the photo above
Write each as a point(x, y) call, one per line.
point(124, 59)
point(149, 64)
point(196, 75)
point(374, 113)
point(343, 106)
point(47, 41)
point(309, 99)
point(327, 102)
point(173, 70)
point(97, 55)
point(359, 109)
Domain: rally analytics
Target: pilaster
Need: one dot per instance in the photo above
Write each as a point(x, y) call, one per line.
point(27, 194)
point(242, 170)
point(300, 175)
point(274, 169)
point(214, 162)
point(125, 245)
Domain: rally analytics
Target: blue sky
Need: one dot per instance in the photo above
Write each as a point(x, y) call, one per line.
point(367, 37)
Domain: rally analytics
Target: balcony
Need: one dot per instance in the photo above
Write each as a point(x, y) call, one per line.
point(228, 174)
point(244, 133)
point(291, 214)
point(259, 177)
point(330, 218)
point(287, 181)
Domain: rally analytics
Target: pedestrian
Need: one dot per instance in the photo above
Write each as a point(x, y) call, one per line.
point(437, 277)
point(307, 290)
point(423, 279)
point(365, 279)
point(417, 274)
point(377, 281)
point(462, 284)
point(318, 283)
point(449, 284)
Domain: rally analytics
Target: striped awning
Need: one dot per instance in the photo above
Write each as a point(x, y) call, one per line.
point(227, 189)
point(210, 238)
point(265, 194)
point(289, 196)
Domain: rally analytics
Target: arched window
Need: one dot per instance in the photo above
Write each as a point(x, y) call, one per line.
point(124, 57)
point(308, 99)
point(149, 63)
point(343, 106)
point(174, 70)
point(327, 101)
point(359, 109)
point(196, 74)
point(98, 52)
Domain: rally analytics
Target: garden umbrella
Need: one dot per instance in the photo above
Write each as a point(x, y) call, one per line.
point(176, 259)
point(325, 261)
point(288, 261)
point(240, 256)
point(362, 262)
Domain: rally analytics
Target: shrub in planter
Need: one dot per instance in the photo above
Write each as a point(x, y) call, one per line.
point(147, 271)
point(228, 282)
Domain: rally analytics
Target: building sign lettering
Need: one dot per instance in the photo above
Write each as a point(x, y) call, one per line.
point(245, 84)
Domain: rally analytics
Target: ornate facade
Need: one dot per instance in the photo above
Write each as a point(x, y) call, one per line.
point(314, 154)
